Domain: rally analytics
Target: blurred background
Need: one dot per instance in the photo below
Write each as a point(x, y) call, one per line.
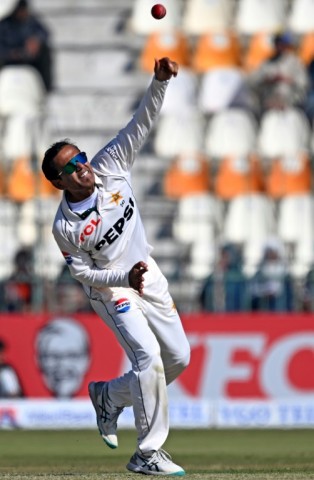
point(224, 182)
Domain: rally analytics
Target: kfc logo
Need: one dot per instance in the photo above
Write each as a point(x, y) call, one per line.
point(239, 365)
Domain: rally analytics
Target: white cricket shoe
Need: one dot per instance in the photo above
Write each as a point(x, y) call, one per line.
point(159, 463)
point(106, 412)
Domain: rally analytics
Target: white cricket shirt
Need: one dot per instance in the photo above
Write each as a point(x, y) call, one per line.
point(101, 249)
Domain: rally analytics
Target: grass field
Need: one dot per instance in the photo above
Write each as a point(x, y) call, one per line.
point(205, 454)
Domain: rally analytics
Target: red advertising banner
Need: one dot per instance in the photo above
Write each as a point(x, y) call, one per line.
point(234, 357)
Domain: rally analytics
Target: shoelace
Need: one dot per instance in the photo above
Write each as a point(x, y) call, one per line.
point(159, 455)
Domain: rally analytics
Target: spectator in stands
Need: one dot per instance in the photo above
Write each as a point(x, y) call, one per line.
point(271, 288)
point(25, 40)
point(225, 289)
point(309, 103)
point(18, 288)
point(307, 292)
point(10, 386)
point(281, 80)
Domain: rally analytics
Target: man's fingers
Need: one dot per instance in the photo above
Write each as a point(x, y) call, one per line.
point(141, 266)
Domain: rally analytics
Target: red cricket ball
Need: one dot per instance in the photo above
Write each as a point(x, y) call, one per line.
point(158, 11)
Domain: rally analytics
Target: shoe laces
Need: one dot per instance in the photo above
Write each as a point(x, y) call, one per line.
point(159, 455)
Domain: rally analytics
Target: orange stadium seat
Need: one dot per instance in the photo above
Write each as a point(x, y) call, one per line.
point(289, 175)
point(306, 48)
point(188, 174)
point(260, 47)
point(239, 176)
point(216, 50)
point(173, 44)
point(23, 184)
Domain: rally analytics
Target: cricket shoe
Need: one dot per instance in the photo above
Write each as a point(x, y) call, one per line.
point(107, 413)
point(159, 463)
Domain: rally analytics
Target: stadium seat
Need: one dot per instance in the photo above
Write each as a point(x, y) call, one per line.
point(216, 50)
point(301, 16)
point(21, 91)
point(24, 183)
point(283, 133)
point(202, 257)
point(221, 89)
point(173, 44)
point(6, 7)
point(142, 22)
point(306, 48)
point(177, 134)
point(249, 221)
point(255, 16)
point(296, 228)
point(34, 229)
point(239, 176)
point(197, 213)
point(289, 175)
point(188, 174)
point(181, 96)
point(202, 16)
point(230, 132)
point(197, 223)
point(22, 110)
point(8, 222)
point(248, 216)
point(259, 48)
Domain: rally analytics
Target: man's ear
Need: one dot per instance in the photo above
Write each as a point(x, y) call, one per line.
point(58, 183)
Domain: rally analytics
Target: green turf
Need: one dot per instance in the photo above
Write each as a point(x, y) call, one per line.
point(205, 454)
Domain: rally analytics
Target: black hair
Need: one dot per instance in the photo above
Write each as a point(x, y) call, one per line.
point(48, 166)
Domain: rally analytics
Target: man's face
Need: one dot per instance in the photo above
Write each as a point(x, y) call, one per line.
point(81, 183)
point(63, 361)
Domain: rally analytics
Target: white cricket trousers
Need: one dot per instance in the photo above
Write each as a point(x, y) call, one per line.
point(149, 330)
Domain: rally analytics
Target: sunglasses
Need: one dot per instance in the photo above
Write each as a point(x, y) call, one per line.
point(70, 167)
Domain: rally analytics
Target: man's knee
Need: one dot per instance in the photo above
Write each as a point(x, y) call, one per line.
point(184, 359)
point(178, 364)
